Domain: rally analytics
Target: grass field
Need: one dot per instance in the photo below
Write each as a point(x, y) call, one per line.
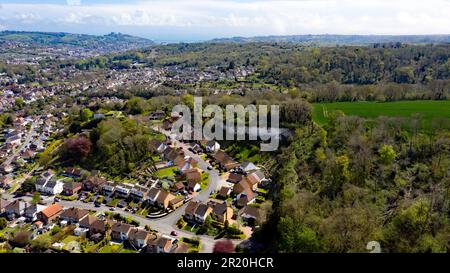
point(429, 110)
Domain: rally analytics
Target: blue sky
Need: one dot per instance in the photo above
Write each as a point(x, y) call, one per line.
point(190, 20)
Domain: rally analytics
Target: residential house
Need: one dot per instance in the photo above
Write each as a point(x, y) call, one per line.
point(3, 204)
point(221, 212)
point(80, 231)
point(153, 194)
point(50, 213)
point(157, 146)
point(32, 212)
point(108, 188)
point(120, 231)
point(247, 167)
point(212, 146)
point(138, 237)
point(53, 187)
point(72, 172)
point(190, 210)
point(250, 214)
point(71, 188)
point(253, 181)
point(176, 202)
point(94, 183)
point(87, 221)
point(123, 190)
point(163, 199)
point(15, 209)
point(193, 179)
point(202, 212)
point(234, 177)
point(40, 183)
point(257, 177)
point(95, 225)
point(73, 215)
point(138, 193)
point(224, 192)
point(244, 193)
point(177, 187)
point(225, 161)
point(159, 244)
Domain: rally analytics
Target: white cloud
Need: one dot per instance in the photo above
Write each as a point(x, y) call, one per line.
point(73, 2)
point(245, 17)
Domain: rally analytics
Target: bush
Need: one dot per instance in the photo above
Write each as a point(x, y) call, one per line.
point(55, 230)
point(3, 223)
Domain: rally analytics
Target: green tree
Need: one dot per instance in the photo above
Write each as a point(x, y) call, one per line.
point(296, 238)
point(36, 198)
point(387, 154)
point(86, 114)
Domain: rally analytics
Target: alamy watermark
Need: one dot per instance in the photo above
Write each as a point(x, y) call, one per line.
point(238, 123)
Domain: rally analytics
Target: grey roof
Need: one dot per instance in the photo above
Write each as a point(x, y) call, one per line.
point(41, 181)
point(201, 209)
point(51, 184)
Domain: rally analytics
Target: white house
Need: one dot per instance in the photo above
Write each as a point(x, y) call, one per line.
point(53, 187)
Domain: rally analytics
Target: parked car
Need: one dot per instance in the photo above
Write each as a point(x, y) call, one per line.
point(174, 233)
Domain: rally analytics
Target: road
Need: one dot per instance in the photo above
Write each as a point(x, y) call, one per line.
point(167, 223)
point(28, 138)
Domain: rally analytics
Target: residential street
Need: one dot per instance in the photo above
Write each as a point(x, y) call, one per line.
point(31, 133)
point(167, 223)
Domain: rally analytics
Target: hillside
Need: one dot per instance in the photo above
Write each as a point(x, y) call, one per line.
point(328, 39)
point(113, 40)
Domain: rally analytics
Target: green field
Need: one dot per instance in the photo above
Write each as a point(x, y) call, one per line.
point(428, 110)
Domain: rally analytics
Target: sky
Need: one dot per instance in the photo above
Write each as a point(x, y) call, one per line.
point(193, 20)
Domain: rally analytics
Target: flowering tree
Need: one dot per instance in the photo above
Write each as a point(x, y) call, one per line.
point(224, 246)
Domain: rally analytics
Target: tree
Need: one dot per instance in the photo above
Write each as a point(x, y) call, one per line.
point(36, 198)
point(40, 244)
point(296, 238)
point(387, 154)
point(28, 185)
point(78, 147)
point(3, 223)
point(136, 105)
point(224, 246)
point(86, 114)
point(20, 239)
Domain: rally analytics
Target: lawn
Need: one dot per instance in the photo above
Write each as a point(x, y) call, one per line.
point(92, 248)
point(113, 202)
point(69, 239)
point(166, 172)
point(429, 110)
point(111, 248)
point(205, 180)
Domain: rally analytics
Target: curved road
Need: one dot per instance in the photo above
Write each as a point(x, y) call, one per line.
point(167, 223)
